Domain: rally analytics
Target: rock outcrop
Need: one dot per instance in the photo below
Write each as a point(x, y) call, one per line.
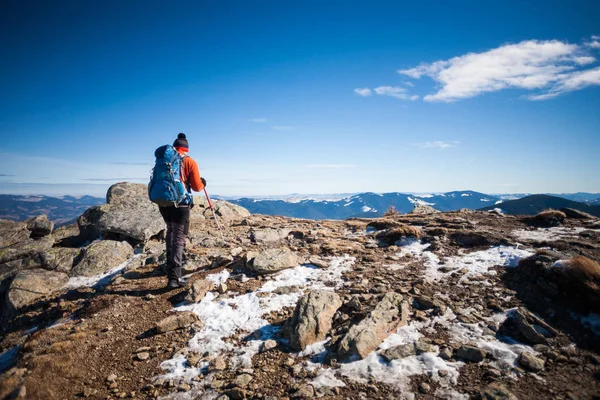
point(388, 315)
point(30, 285)
point(128, 214)
point(101, 256)
point(274, 260)
point(313, 318)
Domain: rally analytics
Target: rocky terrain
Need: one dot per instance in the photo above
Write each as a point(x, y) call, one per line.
point(424, 305)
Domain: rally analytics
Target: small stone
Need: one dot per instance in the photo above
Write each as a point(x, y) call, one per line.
point(218, 364)
point(304, 392)
point(443, 373)
point(142, 356)
point(142, 349)
point(222, 288)
point(424, 387)
point(471, 353)
point(111, 378)
point(242, 380)
point(268, 345)
point(530, 362)
point(184, 387)
point(446, 353)
point(424, 347)
point(400, 351)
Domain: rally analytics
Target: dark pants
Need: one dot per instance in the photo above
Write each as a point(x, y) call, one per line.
point(178, 222)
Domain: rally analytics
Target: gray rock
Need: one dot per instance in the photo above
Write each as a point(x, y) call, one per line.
point(424, 347)
point(144, 355)
point(361, 339)
point(22, 255)
point(274, 260)
point(12, 232)
point(423, 209)
point(40, 225)
point(242, 380)
point(177, 321)
point(313, 318)
point(128, 213)
point(530, 362)
point(59, 259)
point(268, 345)
point(101, 256)
point(495, 391)
point(318, 262)
point(198, 290)
point(471, 353)
point(30, 285)
point(269, 235)
point(400, 351)
point(304, 392)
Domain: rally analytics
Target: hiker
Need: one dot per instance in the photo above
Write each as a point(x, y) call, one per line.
point(177, 215)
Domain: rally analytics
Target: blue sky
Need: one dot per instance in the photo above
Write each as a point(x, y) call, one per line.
point(302, 97)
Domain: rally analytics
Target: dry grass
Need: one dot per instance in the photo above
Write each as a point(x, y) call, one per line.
point(584, 269)
point(551, 214)
point(391, 212)
point(10, 382)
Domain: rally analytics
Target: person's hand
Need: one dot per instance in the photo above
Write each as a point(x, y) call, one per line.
point(203, 181)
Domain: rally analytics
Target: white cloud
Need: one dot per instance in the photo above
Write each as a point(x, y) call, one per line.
point(364, 92)
point(328, 166)
point(283, 127)
point(575, 81)
point(548, 66)
point(392, 91)
point(437, 144)
point(594, 44)
point(258, 120)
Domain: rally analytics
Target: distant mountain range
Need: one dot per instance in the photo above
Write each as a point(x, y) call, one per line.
point(374, 205)
point(60, 210)
point(66, 209)
point(534, 204)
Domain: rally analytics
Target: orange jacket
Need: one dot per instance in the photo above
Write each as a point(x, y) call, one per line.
point(190, 174)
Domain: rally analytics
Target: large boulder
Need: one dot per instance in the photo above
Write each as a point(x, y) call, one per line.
point(22, 254)
point(12, 232)
point(387, 316)
point(128, 214)
point(313, 318)
point(423, 209)
point(274, 260)
point(40, 225)
point(225, 210)
point(101, 256)
point(30, 285)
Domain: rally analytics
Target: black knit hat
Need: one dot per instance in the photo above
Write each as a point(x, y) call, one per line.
point(181, 141)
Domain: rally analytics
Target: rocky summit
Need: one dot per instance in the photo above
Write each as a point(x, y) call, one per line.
point(450, 305)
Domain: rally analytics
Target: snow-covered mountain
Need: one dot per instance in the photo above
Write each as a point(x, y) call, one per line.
point(365, 204)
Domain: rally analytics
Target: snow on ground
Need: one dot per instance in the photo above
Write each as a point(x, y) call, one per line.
point(225, 318)
point(547, 234)
point(465, 194)
point(100, 279)
point(477, 262)
point(9, 358)
point(367, 209)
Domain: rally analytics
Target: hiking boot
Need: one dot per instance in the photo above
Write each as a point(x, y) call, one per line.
point(176, 284)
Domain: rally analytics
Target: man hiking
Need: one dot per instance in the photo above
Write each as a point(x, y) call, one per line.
point(175, 212)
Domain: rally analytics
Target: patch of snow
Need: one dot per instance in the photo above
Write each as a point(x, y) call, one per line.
point(347, 204)
point(244, 314)
point(326, 378)
point(220, 277)
point(499, 210)
point(315, 348)
point(367, 209)
point(397, 373)
point(99, 280)
point(499, 201)
point(547, 234)
point(419, 201)
point(424, 196)
point(484, 199)
point(465, 194)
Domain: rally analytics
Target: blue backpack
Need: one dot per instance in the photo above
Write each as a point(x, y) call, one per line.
point(166, 188)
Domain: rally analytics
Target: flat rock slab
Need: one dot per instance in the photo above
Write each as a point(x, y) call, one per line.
point(313, 318)
point(274, 260)
point(12, 232)
point(177, 321)
point(30, 285)
point(269, 235)
point(389, 314)
point(101, 256)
